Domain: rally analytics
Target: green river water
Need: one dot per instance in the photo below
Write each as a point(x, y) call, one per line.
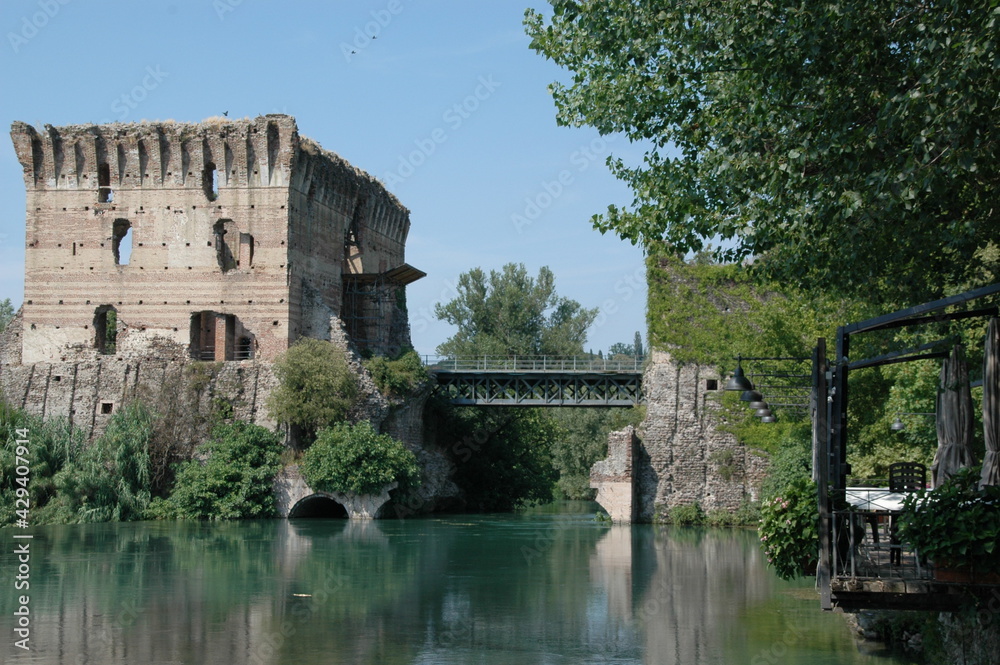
point(545, 586)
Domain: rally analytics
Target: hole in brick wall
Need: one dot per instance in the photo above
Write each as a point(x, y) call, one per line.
point(57, 379)
point(121, 241)
point(210, 182)
point(227, 239)
point(104, 192)
point(712, 384)
point(106, 329)
point(107, 407)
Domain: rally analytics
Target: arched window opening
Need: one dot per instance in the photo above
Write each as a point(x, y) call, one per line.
point(121, 241)
point(210, 181)
point(106, 330)
point(104, 192)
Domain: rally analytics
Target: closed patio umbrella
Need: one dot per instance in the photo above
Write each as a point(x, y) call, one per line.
point(954, 418)
point(991, 405)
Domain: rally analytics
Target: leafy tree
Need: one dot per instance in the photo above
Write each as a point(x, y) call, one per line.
point(637, 345)
point(849, 146)
point(621, 349)
point(236, 481)
point(502, 456)
point(582, 441)
point(511, 313)
point(356, 458)
point(316, 386)
point(6, 313)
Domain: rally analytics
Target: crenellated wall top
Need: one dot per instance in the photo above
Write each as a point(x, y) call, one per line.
point(261, 152)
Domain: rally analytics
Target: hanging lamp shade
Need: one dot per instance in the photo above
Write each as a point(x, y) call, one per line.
point(763, 413)
point(751, 396)
point(759, 404)
point(768, 419)
point(897, 425)
point(739, 381)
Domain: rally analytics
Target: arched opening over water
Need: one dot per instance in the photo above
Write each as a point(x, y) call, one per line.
point(317, 505)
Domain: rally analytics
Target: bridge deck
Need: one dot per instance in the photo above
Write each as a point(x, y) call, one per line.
point(539, 381)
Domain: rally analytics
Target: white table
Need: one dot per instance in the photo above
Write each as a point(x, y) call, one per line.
point(877, 499)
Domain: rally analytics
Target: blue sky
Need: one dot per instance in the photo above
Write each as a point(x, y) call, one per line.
point(447, 105)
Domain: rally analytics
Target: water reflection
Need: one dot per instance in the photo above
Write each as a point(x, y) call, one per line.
point(537, 588)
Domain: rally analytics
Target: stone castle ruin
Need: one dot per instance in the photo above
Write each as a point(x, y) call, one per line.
point(226, 240)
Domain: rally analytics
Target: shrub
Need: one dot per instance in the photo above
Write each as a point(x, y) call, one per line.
point(316, 386)
point(109, 480)
point(689, 514)
point(235, 482)
point(720, 517)
point(51, 444)
point(789, 529)
point(399, 376)
point(356, 458)
point(956, 524)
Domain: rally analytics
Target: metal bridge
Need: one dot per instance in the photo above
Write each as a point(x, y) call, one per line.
point(538, 380)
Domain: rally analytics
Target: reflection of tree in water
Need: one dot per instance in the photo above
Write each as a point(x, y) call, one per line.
point(423, 590)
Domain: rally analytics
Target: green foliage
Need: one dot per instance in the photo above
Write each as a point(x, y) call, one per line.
point(898, 390)
point(724, 460)
point(236, 481)
point(748, 514)
point(50, 445)
point(689, 514)
point(885, 186)
point(316, 386)
point(399, 376)
point(6, 313)
point(504, 457)
point(789, 529)
point(501, 455)
point(789, 511)
point(955, 524)
point(356, 458)
point(109, 480)
point(709, 314)
point(511, 313)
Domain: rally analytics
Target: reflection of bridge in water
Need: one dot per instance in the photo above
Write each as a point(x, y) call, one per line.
point(538, 380)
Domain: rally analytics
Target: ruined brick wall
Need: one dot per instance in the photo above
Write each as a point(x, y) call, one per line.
point(228, 222)
point(346, 232)
point(205, 209)
point(689, 458)
point(187, 394)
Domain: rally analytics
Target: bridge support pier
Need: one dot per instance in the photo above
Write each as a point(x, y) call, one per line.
point(614, 477)
point(292, 493)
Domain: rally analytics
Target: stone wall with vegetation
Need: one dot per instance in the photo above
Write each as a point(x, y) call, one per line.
point(691, 459)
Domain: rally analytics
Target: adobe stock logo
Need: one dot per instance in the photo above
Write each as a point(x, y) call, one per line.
point(129, 101)
point(454, 117)
point(549, 191)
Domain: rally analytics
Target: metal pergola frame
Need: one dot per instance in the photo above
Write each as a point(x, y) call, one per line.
point(830, 386)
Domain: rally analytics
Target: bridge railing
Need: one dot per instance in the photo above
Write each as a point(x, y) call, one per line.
point(619, 363)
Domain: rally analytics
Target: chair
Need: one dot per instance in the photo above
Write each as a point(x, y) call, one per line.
point(907, 476)
point(903, 477)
